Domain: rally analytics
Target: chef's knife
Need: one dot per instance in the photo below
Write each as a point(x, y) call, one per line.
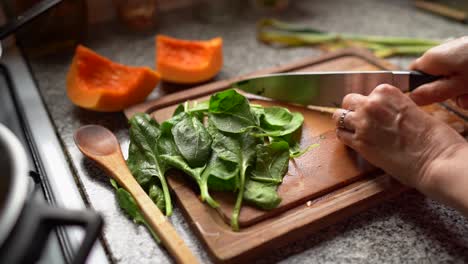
point(328, 88)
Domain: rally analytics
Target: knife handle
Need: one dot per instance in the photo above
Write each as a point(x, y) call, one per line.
point(417, 78)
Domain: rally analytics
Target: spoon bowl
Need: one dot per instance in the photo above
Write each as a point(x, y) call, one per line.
point(96, 140)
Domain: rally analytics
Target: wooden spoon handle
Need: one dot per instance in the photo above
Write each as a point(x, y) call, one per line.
point(155, 218)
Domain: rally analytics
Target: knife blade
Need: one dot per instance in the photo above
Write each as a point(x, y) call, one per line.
point(328, 88)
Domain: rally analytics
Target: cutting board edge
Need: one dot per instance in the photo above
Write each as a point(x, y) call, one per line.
point(237, 254)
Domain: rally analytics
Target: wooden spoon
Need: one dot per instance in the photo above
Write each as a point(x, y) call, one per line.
point(100, 144)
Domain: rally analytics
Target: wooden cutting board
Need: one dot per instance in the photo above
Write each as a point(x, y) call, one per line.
point(323, 186)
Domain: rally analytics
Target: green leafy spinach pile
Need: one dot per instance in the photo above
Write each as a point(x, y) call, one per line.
point(224, 144)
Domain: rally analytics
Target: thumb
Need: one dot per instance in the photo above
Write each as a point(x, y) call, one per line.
point(437, 91)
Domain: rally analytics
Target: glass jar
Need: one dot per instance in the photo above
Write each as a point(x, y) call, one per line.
point(140, 15)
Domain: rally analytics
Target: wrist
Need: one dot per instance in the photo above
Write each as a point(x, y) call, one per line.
point(445, 178)
point(432, 171)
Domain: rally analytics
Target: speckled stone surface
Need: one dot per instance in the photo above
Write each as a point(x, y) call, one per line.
point(408, 229)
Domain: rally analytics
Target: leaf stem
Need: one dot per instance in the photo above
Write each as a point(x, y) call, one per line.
point(240, 196)
point(167, 195)
point(204, 193)
point(268, 22)
point(266, 180)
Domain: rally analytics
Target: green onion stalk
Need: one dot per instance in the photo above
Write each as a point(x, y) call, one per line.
point(287, 34)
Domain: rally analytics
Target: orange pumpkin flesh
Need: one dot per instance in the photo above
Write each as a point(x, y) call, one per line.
point(185, 61)
point(97, 83)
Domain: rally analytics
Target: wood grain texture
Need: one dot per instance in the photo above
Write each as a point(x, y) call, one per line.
point(324, 186)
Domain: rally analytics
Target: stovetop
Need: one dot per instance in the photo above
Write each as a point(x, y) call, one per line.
point(10, 117)
point(23, 112)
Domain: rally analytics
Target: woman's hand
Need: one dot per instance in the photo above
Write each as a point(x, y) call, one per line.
point(450, 61)
point(389, 130)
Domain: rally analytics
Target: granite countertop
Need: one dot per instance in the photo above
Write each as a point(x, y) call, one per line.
point(409, 228)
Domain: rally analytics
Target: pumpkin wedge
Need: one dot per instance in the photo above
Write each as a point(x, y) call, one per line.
point(97, 83)
point(188, 61)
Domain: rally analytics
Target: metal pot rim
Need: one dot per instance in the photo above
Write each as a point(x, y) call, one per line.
point(17, 191)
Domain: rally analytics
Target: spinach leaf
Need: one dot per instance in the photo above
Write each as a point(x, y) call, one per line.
point(219, 175)
point(277, 116)
point(230, 112)
point(225, 145)
point(223, 175)
point(246, 157)
point(278, 131)
point(179, 162)
point(143, 155)
point(165, 144)
point(143, 134)
point(238, 149)
point(179, 109)
point(272, 162)
point(171, 156)
point(157, 195)
point(200, 175)
point(222, 170)
point(192, 140)
point(270, 167)
point(129, 206)
point(258, 113)
point(197, 174)
point(262, 194)
point(169, 152)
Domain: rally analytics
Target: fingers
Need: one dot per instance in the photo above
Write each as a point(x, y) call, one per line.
point(415, 64)
point(345, 119)
point(432, 62)
point(382, 104)
point(462, 101)
point(443, 60)
point(353, 101)
point(437, 91)
point(345, 136)
point(449, 60)
point(364, 115)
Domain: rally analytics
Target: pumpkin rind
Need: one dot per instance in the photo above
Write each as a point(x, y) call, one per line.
point(97, 83)
point(188, 61)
